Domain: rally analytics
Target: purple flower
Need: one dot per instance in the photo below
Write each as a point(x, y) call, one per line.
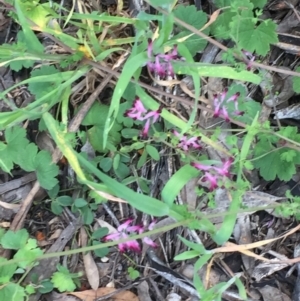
point(224, 170)
point(185, 143)
point(126, 229)
point(213, 180)
point(220, 101)
point(138, 112)
point(213, 174)
point(160, 64)
point(250, 57)
point(147, 240)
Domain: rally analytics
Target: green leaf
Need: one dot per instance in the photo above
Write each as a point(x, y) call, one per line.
point(296, 81)
point(96, 136)
point(96, 115)
point(222, 3)
point(254, 38)
point(26, 157)
point(177, 182)
point(131, 66)
point(190, 15)
point(224, 233)
point(194, 246)
point(259, 3)
point(187, 255)
point(100, 252)
point(106, 164)
point(12, 292)
point(153, 152)
point(130, 133)
point(65, 200)
point(45, 287)
point(220, 28)
point(99, 233)
point(80, 203)
point(31, 39)
point(62, 280)
point(116, 161)
point(272, 165)
point(122, 171)
point(87, 215)
point(142, 159)
point(141, 202)
point(16, 142)
point(197, 19)
point(6, 271)
point(37, 12)
point(46, 170)
point(210, 70)
point(56, 208)
point(133, 274)
point(163, 4)
point(14, 240)
point(246, 105)
point(29, 289)
point(29, 252)
point(42, 88)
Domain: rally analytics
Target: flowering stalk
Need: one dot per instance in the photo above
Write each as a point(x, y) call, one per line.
point(220, 101)
point(138, 112)
point(250, 57)
point(160, 64)
point(126, 229)
point(213, 174)
point(186, 143)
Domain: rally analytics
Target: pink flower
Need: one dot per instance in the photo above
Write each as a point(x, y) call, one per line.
point(185, 143)
point(224, 170)
point(213, 180)
point(160, 64)
point(250, 57)
point(148, 240)
point(126, 229)
point(220, 101)
point(213, 174)
point(138, 112)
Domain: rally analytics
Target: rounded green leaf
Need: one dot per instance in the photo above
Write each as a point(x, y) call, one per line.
point(79, 203)
point(106, 164)
point(123, 171)
point(56, 208)
point(153, 152)
point(130, 133)
point(99, 233)
point(64, 200)
point(116, 161)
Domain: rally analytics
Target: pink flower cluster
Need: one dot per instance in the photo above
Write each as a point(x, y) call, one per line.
point(138, 112)
point(160, 64)
point(213, 174)
point(220, 101)
point(250, 57)
point(186, 143)
point(126, 229)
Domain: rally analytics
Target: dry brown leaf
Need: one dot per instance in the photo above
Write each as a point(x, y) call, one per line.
point(14, 207)
point(271, 293)
point(231, 247)
point(91, 295)
point(90, 266)
point(212, 19)
point(242, 235)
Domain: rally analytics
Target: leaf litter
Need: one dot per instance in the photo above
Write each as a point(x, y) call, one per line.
point(20, 157)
